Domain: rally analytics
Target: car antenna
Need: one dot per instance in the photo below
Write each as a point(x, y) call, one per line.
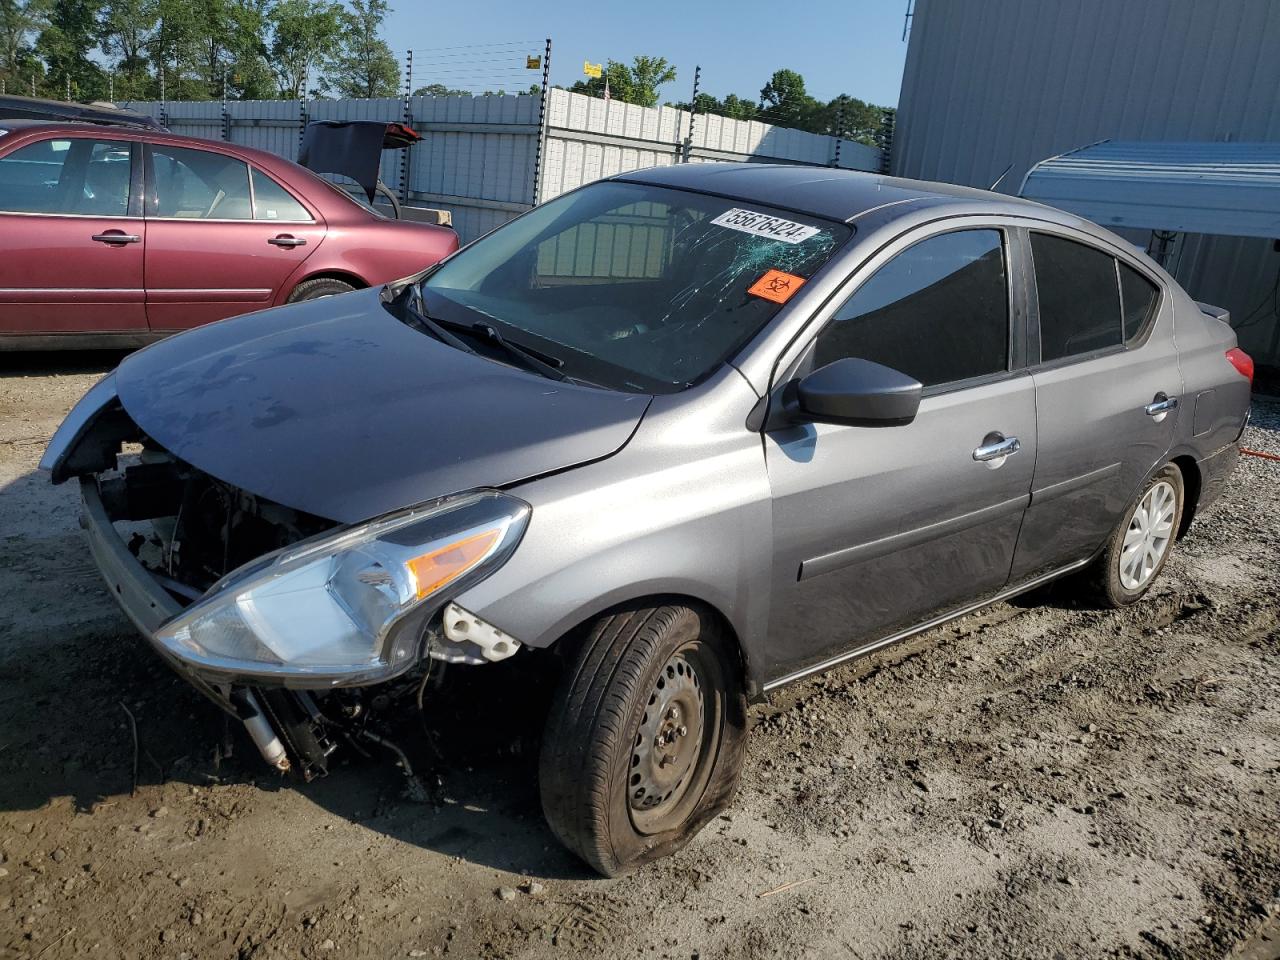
point(1001, 177)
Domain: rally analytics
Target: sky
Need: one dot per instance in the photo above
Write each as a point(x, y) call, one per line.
point(838, 46)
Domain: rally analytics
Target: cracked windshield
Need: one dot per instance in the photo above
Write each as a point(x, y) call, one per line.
point(634, 287)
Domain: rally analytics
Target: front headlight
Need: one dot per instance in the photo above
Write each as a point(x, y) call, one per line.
point(347, 607)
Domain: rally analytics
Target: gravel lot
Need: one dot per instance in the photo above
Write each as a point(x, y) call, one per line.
point(1037, 780)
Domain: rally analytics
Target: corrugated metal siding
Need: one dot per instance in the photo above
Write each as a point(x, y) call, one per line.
point(1231, 189)
point(989, 83)
point(478, 154)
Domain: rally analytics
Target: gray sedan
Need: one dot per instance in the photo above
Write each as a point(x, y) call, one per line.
point(687, 434)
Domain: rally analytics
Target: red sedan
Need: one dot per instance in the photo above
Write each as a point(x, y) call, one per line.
point(115, 236)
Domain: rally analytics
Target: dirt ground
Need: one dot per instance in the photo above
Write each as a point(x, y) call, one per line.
point(1038, 780)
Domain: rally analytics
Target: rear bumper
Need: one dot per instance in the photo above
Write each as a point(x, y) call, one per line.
point(142, 598)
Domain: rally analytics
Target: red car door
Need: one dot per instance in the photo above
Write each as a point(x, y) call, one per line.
point(71, 237)
point(215, 248)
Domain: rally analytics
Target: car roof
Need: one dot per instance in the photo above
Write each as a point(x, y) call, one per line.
point(37, 108)
point(826, 192)
point(263, 158)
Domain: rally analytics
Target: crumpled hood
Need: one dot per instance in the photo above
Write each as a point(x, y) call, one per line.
point(335, 407)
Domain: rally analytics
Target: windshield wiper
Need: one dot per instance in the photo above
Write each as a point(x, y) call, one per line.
point(529, 358)
point(418, 317)
point(442, 329)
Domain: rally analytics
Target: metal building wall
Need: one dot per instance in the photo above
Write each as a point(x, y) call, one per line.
point(989, 83)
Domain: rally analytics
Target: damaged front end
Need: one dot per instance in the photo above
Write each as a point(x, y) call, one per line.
point(293, 623)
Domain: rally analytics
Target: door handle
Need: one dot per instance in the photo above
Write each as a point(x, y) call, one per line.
point(1160, 406)
point(116, 236)
point(995, 448)
point(284, 240)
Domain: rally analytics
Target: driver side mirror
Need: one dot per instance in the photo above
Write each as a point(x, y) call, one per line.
point(858, 393)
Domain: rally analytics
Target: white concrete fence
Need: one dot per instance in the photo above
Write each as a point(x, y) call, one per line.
point(480, 155)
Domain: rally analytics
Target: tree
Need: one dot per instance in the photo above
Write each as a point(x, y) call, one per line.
point(440, 90)
point(637, 83)
point(20, 22)
point(620, 84)
point(783, 100)
point(364, 65)
point(731, 106)
point(647, 75)
point(176, 48)
point(126, 28)
point(64, 45)
point(305, 34)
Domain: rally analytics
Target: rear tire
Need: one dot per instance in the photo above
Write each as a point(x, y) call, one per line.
point(317, 288)
point(645, 738)
point(1141, 543)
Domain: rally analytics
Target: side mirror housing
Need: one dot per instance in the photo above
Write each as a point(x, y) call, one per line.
point(858, 393)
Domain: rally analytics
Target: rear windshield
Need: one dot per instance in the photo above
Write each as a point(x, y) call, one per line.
point(634, 287)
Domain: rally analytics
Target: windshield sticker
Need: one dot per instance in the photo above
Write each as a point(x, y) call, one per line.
point(763, 225)
point(776, 286)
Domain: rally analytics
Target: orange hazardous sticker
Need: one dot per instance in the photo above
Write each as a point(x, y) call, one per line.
point(776, 286)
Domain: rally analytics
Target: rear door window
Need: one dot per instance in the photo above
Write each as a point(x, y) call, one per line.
point(1079, 297)
point(199, 185)
point(273, 202)
point(74, 176)
point(938, 311)
point(1140, 300)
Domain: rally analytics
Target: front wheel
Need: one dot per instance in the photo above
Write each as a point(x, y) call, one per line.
point(1141, 542)
point(645, 739)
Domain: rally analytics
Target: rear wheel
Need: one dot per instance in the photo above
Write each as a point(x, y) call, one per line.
point(320, 287)
point(645, 738)
point(1141, 542)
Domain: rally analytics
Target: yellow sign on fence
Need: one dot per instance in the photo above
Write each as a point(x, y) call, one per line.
point(594, 70)
point(533, 63)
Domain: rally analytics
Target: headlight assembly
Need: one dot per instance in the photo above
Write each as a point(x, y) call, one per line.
point(347, 607)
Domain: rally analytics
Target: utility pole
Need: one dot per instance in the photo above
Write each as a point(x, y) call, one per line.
point(67, 77)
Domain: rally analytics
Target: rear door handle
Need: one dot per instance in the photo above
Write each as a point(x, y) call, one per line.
point(284, 240)
point(116, 236)
point(1160, 406)
point(995, 448)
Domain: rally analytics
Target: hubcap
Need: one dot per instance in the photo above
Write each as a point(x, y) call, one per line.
point(668, 743)
point(1148, 537)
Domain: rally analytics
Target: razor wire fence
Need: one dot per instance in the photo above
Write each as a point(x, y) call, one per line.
point(497, 138)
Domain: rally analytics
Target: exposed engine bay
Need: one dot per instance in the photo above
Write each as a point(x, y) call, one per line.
point(200, 529)
point(189, 530)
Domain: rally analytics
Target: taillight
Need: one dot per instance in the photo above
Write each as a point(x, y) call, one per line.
point(1242, 362)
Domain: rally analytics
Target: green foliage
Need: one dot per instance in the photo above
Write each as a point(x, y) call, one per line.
point(20, 23)
point(364, 65)
point(196, 49)
point(637, 83)
point(785, 102)
point(440, 90)
point(64, 45)
point(305, 34)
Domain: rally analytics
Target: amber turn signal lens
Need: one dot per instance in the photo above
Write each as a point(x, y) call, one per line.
point(433, 570)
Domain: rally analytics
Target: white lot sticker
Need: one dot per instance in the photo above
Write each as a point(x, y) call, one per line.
point(763, 225)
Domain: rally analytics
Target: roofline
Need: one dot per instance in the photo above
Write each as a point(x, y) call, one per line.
point(1057, 156)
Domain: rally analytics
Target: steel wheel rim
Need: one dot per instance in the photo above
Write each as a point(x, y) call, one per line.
point(668, 746)
point(1147, 539)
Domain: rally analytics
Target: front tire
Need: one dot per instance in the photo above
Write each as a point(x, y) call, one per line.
point(646, 735)
point(1141, 542)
